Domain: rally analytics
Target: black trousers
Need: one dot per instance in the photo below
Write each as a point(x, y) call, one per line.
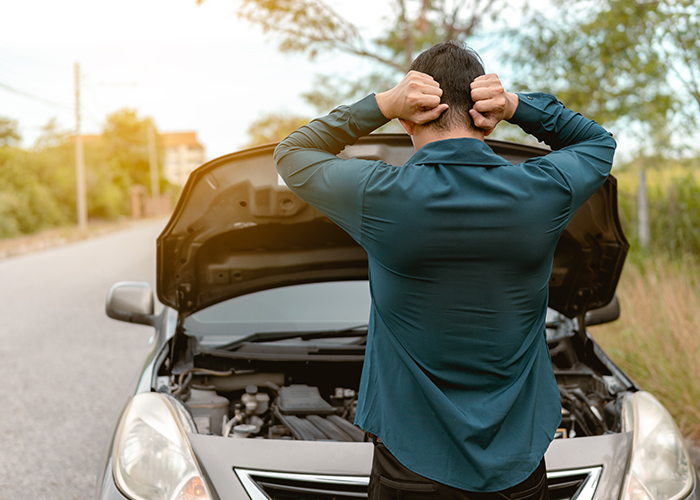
point(390, 480)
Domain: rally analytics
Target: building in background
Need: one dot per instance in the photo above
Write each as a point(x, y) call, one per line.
point(183, 153)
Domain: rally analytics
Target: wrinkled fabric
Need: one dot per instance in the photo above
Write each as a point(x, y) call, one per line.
point(457, 379)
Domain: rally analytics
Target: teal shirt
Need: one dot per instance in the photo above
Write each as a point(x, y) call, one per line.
point(457, 379)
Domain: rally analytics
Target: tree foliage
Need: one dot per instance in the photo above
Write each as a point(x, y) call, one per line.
point(312, 27)
point(635, 60)
point(37, 185)
point(273, 127)
point(30, 191)
point(9, 134)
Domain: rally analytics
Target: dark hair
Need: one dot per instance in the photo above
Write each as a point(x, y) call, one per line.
point(454, 66)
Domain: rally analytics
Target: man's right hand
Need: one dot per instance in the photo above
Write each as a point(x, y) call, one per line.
point(416, 99)
point(491, 102)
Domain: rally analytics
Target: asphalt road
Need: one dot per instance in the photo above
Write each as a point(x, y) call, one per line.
point(65, 368)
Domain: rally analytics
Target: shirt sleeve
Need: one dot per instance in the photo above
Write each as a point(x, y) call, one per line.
point(582, 150)
point(307, 162)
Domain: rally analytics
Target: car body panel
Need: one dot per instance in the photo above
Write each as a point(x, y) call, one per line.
point(611, 451)
point(222, 455)
point(355, 459)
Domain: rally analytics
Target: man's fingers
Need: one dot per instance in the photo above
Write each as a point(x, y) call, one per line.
point(423, 83)
point(487, 105)
point(425, 101)
point(481, 93)
point(478, 118)
point(428, 115)
point(481, 121)
point(425, 88)
point(484, 80)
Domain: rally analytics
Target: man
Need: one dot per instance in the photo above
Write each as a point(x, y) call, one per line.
point(457, 384)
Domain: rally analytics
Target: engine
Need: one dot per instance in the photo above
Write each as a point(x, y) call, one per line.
point(295, 411)
point(317, 402)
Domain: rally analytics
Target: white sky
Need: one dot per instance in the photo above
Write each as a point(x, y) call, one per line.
point(189, 67)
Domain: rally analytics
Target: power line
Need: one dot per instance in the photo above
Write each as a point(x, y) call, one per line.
point(35, 97)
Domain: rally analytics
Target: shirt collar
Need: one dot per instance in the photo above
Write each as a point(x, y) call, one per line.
point(462, 151)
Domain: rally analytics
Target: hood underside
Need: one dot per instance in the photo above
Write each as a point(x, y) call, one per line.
point(238, 229)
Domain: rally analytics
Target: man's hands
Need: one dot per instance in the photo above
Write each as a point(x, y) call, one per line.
point(416, 99)
point(491, 102)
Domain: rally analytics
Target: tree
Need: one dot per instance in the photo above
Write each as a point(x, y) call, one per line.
point(28, 201)
point(117, 161)
point(52, 135)
point(632, 60)
point(312, 27)
point(273, 127)
point(37, 185)
point(9, 135)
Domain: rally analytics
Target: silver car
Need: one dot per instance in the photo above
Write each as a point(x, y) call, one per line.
point(250, 389)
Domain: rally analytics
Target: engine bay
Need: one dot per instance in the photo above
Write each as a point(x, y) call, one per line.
point(316, 401)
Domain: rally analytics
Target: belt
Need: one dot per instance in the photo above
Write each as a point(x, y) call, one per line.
point(375, 439)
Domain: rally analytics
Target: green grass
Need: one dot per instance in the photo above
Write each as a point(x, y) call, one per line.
point(656, 341)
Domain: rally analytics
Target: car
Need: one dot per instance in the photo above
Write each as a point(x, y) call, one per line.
point(250, 387)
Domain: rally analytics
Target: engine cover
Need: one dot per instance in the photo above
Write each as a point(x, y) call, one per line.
point(302, 400)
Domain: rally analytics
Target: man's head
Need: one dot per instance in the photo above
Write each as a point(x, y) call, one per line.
point(454, 67)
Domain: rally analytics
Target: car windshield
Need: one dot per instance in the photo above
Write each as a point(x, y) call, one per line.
point(310, 307)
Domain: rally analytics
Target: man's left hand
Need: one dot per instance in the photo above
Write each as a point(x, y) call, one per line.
point(416, 99)
point(491, 102)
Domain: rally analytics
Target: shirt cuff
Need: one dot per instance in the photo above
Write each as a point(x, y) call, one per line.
point(530, 109)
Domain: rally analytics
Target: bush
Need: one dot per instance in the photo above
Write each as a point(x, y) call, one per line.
point(674, 210)
point(37, 186)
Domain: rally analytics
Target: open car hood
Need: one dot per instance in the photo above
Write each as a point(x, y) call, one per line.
point(237, 229)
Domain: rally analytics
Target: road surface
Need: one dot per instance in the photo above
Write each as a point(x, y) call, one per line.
point(65, 368)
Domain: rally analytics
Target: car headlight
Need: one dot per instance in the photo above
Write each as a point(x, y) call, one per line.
point(152, 457)
point(660, 465)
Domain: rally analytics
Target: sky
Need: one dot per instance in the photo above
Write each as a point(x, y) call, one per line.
point(189, 67)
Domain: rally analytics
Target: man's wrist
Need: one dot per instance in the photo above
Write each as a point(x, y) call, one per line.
point(512, 101)
point(384, 102)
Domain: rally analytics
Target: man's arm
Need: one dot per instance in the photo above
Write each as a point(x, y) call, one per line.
point(307, 162)
point(582, 150)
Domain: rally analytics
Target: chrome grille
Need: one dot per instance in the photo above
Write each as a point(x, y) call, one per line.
point(578, 484)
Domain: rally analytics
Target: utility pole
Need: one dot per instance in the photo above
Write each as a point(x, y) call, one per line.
point(81, 195)
point(153, 164)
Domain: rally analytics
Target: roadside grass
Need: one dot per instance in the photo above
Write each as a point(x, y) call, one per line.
point(656, 341)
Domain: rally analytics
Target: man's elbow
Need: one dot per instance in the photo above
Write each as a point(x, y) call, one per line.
point(611, 140)
point(279, 153)
point(611, 144)
point(278, 156)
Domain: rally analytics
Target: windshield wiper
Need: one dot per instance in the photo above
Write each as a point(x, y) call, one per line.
point(354, 331)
